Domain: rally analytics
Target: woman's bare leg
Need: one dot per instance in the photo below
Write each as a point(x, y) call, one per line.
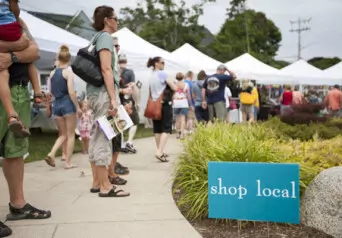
point(61, 138)
point(70, 123)
point(182, 126)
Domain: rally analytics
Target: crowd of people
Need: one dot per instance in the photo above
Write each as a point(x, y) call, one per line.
point(183, 101)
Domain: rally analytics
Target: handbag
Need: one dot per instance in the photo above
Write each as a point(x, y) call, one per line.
point(87, 64)
point(154, 108)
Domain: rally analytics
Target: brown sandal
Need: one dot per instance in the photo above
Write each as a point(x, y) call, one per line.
point(50, 161)
point(38, 98)
point(17, 127)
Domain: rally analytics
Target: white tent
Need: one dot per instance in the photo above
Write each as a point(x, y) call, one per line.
point(197, 60)
point(246, 66)
point(308, 74)
point(139, 51)
point(335, 71)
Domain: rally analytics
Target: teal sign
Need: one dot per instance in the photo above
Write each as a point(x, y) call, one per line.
point(254, 191)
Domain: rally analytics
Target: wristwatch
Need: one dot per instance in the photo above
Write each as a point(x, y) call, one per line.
point(14, 58)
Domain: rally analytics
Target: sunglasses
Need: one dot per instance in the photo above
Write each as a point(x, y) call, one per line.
point(114, 18)
point(117, 46)
point(163, 63)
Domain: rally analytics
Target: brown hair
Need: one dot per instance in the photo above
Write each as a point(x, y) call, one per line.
point(152, 61)
point(64, 54)
point(100, 14)
point(179, 76)
point(201, 75)
point(189, 74)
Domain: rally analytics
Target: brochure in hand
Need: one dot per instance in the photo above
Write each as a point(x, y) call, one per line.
point(112, 126)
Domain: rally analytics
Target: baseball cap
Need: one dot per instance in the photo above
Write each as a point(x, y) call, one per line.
point(122, 57)
point(221, 67)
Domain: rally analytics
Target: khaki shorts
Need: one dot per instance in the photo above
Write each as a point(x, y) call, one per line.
point(217, 110)
point(15, 147)
point(249, 109)
point(100, 148)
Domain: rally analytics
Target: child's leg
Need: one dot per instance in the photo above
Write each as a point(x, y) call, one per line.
point(34, 79)
point(5, 94)
point(15, 125)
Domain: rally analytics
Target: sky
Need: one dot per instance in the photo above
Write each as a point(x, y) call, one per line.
point(324, 39)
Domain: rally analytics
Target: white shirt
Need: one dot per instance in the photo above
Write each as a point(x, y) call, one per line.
point(227, 95)
point(180, 97)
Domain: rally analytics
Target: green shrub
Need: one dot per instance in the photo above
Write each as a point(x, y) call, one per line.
point(303, 132)
point(242, 143)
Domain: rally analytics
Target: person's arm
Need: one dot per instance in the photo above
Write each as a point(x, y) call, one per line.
point(107, 72)
point(232, 74)
point(71, 89)
point(189, 96)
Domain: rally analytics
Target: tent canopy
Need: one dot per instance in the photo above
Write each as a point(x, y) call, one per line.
point(308, 74)
point(247, 63)
point(197, 59)
point(246, 66)
point(335, 71)
point(138, 51)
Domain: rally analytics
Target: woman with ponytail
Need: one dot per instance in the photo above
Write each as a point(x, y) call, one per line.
point(64, 107)
point(161, 85)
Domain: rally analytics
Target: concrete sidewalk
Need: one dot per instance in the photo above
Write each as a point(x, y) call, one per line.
point(149, 212)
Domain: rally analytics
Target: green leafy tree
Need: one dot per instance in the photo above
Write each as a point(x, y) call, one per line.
point(324, 63)
point(264, 37)
point(165, 23)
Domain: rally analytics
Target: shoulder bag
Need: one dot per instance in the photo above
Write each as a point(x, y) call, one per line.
point(154, 108)
point(87, 64)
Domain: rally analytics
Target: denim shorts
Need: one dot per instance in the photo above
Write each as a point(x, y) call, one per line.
point(181, 111)
point(63, 107)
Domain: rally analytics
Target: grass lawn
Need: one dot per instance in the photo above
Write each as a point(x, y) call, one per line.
point(41, 143)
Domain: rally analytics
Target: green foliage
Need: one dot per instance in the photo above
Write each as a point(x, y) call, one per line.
point(231, 41)
point(324, 63)
point(304, 132)
point(241, 143)
point(166, 24)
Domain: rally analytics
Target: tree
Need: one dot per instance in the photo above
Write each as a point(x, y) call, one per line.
point(264, 37)
point(166, 24)
point(324, 63)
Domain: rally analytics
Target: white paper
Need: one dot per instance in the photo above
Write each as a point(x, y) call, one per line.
point(116, 125)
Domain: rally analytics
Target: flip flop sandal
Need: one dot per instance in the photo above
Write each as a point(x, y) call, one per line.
point(162, 159)
point(117, 181)
point(165, 155)
point(72, 166)
point(50, 161)
point(95, 190)
point(17, 127)
point(27, 212)
point(113, 193)
point(5, 230)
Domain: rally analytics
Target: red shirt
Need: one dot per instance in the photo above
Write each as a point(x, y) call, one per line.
point(287, 98)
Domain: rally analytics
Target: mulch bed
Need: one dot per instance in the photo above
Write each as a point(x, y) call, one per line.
point(210, 228)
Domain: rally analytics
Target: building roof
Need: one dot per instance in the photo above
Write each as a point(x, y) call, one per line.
point(79, 24)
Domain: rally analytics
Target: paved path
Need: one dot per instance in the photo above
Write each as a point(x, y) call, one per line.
point(149, 212)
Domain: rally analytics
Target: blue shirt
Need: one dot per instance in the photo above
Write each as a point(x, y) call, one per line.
point(190, 83)
point(6, 16)
point(215, 86)
point(197, 89)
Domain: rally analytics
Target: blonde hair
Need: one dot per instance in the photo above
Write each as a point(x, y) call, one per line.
point(64, 55)
point(245, 84)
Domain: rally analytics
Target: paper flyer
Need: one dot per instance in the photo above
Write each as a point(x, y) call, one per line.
point(112, 126)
